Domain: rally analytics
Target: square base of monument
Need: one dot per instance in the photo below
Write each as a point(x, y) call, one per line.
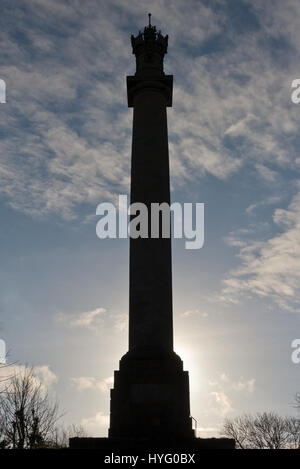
point(125, 445)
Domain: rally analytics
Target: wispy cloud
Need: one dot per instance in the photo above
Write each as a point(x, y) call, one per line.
point(120, 322)
point(83, 383)
point(194, 312)
point(248, 385)
point(263, 203)
point(87, 319)
point(47, 377)
point(266, 173)
point(225, 383)
point(271, 268)
point(221, 403)
point(96, 424)
point(43, 376)
point(67, 125)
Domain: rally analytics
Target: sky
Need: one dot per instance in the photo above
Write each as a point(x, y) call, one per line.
point(65, 142)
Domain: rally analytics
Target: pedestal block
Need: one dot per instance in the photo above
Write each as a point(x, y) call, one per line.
point(150, 398)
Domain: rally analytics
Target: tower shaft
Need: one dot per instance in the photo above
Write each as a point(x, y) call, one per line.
point(150, 297)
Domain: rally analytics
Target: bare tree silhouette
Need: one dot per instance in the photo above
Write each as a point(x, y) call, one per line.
point(27, 415)
point(63, 434)
point(266, 430)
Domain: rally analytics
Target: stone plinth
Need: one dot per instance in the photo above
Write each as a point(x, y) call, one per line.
point(150, 398)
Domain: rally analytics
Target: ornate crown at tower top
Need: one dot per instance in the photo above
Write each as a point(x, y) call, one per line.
point(149, 48)
point(149, 39)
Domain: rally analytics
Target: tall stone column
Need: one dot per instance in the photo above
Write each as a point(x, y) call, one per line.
point(150, 309)
point(150, 398)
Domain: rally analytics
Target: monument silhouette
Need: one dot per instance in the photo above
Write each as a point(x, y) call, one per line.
point(150, 402)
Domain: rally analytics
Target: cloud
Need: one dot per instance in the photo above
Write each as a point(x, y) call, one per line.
point(244, 385)
point(271, 268)
point(47, 377)
point(50, 165)
point(224, 383)
point(224, 378)
point(95, 424)
point(192, 312)
point(224, 397)
point(222, 403)
point(88, 319)
point(201, 430)
point(208, 432)
point(94, 319)
point(266, 173)
point(121, 322)
point(43, 376)
point(68, 130)
point(83, 383)
point(262, 203)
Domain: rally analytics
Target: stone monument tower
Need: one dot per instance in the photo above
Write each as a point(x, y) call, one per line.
point(150, 398)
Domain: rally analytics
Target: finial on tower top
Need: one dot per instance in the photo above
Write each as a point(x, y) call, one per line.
point(149, 47)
